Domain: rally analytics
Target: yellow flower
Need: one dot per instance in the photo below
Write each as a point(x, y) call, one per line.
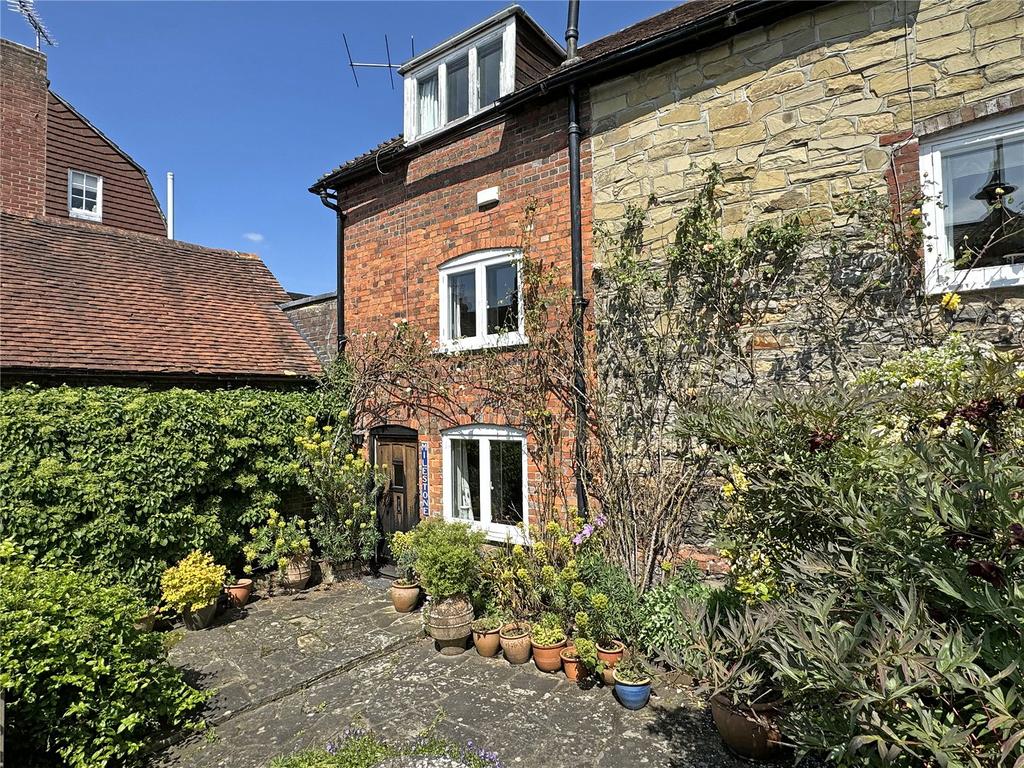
point(282, 562)
point(728, 490)
point(950, 302)
point(916, 212)
point(348, 523)
point(310, 421)
point(344, 414)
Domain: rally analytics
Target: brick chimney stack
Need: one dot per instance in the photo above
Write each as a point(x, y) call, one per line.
point(23, 100)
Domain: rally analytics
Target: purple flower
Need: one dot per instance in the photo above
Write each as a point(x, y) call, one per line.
point(588, 530)
point(601, 521)
point(577, 539)
point(331, 748)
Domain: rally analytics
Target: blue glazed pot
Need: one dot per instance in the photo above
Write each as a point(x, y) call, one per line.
point(632, 695)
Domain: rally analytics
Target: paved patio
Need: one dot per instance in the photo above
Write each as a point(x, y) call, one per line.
point(295, 671)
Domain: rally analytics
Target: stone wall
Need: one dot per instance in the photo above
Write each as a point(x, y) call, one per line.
point(801, 116)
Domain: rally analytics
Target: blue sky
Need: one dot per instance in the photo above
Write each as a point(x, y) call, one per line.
point(249, 102)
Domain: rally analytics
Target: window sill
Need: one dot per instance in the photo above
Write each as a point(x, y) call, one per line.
point(501, 341)
point(434, 132)
point(976, 279)
point(497, 533)
point(94, 217)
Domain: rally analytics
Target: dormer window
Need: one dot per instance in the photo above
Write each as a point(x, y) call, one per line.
point(85, 195)
point(459, 78)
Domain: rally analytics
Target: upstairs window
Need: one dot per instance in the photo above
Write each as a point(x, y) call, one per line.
point(85, 195)
point(481, 301)
point(974, 219)
point(460, 82)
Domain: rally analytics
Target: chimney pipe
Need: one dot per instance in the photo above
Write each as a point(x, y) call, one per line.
point(572, 31)
point(170, 205)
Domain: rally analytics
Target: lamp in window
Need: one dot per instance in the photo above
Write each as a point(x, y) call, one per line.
point(999, 237)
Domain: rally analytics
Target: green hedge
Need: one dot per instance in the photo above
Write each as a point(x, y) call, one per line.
point(125, 481)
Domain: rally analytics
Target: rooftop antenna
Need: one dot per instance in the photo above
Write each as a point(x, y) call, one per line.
point(353, 64)
point(27, 8)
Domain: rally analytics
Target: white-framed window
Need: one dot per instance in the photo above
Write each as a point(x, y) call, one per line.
point(85, 195)
point(481, 300)
point(460, 82)
point(485, 480)
point(973, 178)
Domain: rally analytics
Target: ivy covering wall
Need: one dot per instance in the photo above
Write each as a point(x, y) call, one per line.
point(123, 481)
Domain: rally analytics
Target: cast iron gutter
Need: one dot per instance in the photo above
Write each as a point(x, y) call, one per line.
point(579, 301)
point(335, 205)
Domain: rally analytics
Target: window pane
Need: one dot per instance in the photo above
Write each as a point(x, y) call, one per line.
point(982, 192)
point(502, 298)
point(399, 468)
point(466, 479)
point(506, 482)
point(488, 72)
point(458, 88)
point(428, 107)
point(462, 304)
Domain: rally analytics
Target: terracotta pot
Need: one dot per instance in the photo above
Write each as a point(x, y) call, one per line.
point(199, 619)
point(516, 643)
point(448, 622)
point(297, 573)
point(239, 592)
point(570, 663)
point(610, 657)
point(404, 596)
point(487, 643)
point(752, 737)
point(548, 657)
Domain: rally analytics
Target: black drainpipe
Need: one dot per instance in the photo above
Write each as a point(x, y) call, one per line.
point(579, 303)
point(335, 206)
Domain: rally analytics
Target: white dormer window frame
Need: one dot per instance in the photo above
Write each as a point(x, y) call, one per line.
point(438, 67)
point(472, 268)
point(82, 186)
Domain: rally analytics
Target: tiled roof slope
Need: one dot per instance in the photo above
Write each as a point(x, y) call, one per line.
point(82, 298)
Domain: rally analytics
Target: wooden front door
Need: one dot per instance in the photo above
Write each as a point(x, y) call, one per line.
point(400, 503)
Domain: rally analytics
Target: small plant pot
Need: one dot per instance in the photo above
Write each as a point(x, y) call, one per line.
point(752, 734)
point(548, 657)
point(487, 643)
point(448, 622)
point(147, 621)
point(404, 596)
point(631, 694)
point(515, 643)
point(570, 663)
point(199, 619)
point(239, 592)
point(610, 657)
point(297, 573)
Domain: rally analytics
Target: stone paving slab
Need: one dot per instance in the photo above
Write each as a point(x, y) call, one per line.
point(384, 678)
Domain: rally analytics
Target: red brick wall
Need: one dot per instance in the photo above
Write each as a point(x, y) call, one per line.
point(23, 93)
point(403, 222)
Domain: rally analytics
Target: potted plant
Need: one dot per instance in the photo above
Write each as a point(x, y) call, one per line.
point(448, 557)
point(405, 590)
point(283, 542)
point(548, 639)
point(632, 682)
point(192, 586)
point(514, 638)
point(609, 649)
point(726, 651)
point(485, 635)
point(579, 660)
point(238, 591)
point(147, 621)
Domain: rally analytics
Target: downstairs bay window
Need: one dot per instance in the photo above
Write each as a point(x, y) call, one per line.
point(974, 216)
point(484, 476)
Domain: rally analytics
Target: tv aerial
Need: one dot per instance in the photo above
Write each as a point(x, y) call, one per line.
point(353, 64)
point(27, 8)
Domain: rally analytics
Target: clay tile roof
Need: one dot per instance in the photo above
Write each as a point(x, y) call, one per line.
point(76, 297)
point(396, 142)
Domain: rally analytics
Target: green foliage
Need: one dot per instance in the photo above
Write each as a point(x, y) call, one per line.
point(659, 608)
point(548, 631)
point(364, 749)
point(403, 551)
point(448, 556)
point(616, 614)
point(344, 487)
point(586, 652)
point(192, 584)
point(124, 481)
point(633, 670)
point(277, 541)
point(487, 624)
point(83, 687)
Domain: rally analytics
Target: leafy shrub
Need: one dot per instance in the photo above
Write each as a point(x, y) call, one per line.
point(277, 541)
point(633, 670)
point(364, 749)
point(83, 686)
point(617, 612)
point(659, 608)
point(192, 584)
point(344, 487)
point(548, 631)
point(125, 481)
point(405, 556)
point(447, 557)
